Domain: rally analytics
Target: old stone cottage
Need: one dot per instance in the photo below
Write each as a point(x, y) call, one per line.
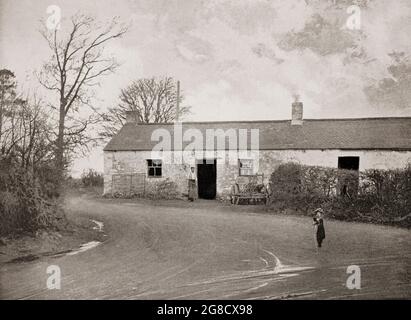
point(140, 156)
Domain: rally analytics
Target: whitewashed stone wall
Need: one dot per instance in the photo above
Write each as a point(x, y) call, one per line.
point(228, 171)
point(123, 162)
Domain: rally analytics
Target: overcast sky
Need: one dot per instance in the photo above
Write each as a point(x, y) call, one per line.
point(236, 60)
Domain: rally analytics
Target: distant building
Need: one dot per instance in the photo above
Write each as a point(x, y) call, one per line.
point(357, 144)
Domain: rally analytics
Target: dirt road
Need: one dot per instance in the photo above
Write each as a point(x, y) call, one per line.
point(203, 252)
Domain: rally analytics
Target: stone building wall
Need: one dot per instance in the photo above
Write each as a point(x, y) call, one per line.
point(227, 165)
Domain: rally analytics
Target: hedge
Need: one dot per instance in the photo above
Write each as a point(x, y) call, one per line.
point(26, 201)
point(378, 196)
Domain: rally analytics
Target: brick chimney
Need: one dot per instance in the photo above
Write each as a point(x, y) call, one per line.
point(132, 117)
point(297, 112)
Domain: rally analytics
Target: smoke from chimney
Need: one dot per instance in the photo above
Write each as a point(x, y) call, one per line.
point(296, 111)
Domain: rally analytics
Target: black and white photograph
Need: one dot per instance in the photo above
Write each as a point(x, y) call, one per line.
point(205, 150)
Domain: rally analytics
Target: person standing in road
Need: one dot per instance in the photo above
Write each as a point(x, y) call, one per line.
point(192, 185)
point(318, 222)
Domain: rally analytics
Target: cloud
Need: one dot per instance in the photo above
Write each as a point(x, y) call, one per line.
point(262, 51)
point(320, 36)
point(193, 49)
point(265, 50)
point(393, 91)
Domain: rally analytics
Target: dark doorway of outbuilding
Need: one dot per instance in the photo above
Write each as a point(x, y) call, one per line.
point(207, 178)
point(348, 180)
point(349, 163)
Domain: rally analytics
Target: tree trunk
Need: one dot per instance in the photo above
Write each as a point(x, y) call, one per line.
point(60, 163)
point(1, 109)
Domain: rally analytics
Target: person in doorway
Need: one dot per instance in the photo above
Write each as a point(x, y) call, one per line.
point(192, 185)
point(318, 222)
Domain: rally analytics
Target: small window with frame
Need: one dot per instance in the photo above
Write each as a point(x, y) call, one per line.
point(154, 168)
point(246, 167)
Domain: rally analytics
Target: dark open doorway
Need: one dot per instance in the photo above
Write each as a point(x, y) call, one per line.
point(349, 163)
point(207, 178)
point(348, 181)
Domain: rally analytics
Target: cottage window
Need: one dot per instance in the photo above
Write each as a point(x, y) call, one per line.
point(246, 167)
point(154, 168)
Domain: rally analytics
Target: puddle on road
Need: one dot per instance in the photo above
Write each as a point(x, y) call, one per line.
point(89, 245)
point(84, 247)
point(99, 226)
point(70, 252)
point(280, 268)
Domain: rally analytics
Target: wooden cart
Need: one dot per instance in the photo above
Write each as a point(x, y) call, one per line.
point(249, 192)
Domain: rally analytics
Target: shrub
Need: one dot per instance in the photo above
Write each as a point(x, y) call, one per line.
point(24, 204)
point(92, 178)
point(48, 178)
point(10, 216)
point(164, 189)
point(380, 196)
point(287, 179)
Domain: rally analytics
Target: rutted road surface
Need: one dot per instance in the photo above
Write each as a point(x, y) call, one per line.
point(206, 252)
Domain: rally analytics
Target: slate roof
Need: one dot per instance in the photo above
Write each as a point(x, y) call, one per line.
point(348, 134)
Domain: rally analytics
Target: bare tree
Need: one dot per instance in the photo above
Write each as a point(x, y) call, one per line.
point(31, 131)
point(7, 95)
point(25, 134)
point(154, 100)
point(78, 62)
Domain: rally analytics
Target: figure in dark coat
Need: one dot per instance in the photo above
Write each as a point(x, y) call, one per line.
point(319, 224)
